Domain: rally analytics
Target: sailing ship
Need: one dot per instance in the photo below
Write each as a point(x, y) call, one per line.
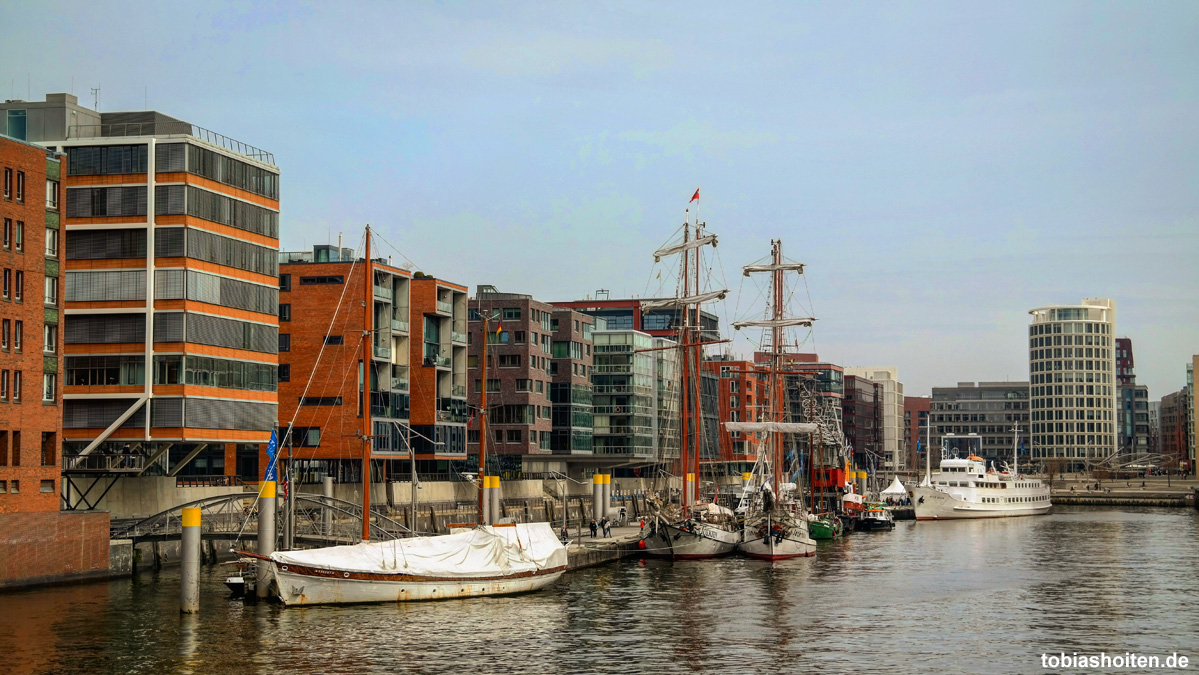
point(776, 523)
point(487, 559)
point(694, 528)
point(964, 488)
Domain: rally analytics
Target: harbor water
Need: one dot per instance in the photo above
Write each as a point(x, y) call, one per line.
point(970, 596)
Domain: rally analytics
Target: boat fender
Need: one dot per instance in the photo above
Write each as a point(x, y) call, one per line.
point(641, 544)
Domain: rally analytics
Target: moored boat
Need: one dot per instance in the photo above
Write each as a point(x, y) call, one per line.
point(480, 561)
point(824, 526)
point(964, 488)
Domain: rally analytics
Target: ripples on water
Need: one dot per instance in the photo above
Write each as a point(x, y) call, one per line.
point(975, 596)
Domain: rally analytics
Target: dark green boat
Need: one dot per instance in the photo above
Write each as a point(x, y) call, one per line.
point(825, 527)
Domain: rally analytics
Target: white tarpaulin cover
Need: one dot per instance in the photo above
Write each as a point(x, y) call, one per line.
point(479, 552)
point(779, 427)
point(895, 488)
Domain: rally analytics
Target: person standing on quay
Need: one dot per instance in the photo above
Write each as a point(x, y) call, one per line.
point(593, 528)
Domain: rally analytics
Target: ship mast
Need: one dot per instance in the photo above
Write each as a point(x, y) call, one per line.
point(776, 361)
point(367, 356)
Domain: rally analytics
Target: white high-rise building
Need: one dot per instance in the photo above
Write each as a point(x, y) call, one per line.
point(895, 458)
point(1072, 382)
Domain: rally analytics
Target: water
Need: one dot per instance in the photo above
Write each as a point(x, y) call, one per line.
point(976, 596)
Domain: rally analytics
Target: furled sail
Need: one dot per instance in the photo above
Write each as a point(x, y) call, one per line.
point(775, 323)
point(685, 246)
point(777, 427)
point(786, 267)
point(663, 303)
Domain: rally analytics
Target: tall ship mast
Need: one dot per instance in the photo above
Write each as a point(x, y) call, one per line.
point(776, 522)
point(693, 529)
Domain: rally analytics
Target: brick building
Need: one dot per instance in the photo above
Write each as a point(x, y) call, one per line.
point(324, 351)
point(438, 377)
point(915, 429)
point(862, 420)
point(38, 543)
point(740, 398)
point(539, 396)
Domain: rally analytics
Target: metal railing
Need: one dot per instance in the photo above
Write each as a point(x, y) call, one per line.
point(168, 128)
point(208, 481)
point(458, 390)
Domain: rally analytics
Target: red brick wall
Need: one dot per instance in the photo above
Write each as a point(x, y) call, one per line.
point(47, 546)
point(29, 416)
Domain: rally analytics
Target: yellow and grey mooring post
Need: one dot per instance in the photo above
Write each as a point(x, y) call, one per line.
point(266, 535)
point(189, 562)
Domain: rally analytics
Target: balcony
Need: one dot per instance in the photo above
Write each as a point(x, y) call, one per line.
point(399, 384)
point(445, 307)
point(458, 338)
point(399, 325)
point(439, 361)
point(171, 128)
point(382, 292)
point(458, 391)
point(383, 351)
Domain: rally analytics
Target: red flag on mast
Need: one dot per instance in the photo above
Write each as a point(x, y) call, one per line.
point(695, 196)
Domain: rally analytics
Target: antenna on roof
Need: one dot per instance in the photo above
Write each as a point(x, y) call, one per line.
point(96, 98)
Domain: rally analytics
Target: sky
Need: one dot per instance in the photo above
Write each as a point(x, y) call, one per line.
point(941, 167)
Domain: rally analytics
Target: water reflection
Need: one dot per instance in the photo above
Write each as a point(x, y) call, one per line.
point(986, 596)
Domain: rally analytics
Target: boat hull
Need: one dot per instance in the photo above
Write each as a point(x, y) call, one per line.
point(933, 504)
point(299, 585)
point(699, 541)
point(822, 529)
point(768, 538)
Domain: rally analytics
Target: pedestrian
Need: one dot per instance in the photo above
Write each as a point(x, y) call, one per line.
point(643, 523)
point(606, 526)
point(593, 528)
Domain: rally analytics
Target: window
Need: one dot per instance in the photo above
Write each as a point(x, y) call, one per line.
point(19, 287)
point(514, 435)
point(320, 400)
point(285, 282)
point(47, 486)
point(509, 360)
point(285, 372)
point(20, 186)
point(7, 283)
point(52, 194)
point(511, 313)
point(524, 385)
point(334, 339)
point(51, 291)
point(285, 342)
point(5, 327)
point(518, 337)
point(285, 312)
point(319, 281)
point(8, 183)
point(49, 383)
point(16, 386)
point(50, 339)
point(14, 487)
point(51, 242)
point(7, 233)
point(3, 393)
point(18, 333)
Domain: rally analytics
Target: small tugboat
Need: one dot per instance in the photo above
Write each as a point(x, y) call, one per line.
point(874, 517)
point(824, 526)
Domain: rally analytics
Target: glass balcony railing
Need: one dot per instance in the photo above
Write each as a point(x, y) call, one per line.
point(445, 307)
point(460, 338)
point(439, 361)
point(383, 351)
point(399, 384)
point(383, 292)
point(458, 390)
point(399, 325)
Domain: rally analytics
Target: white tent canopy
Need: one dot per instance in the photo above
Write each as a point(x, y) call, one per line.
point(895, 489)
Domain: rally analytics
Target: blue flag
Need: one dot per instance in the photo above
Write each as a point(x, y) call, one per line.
point(272, 449)
point(917, 447)
point(1022, 447)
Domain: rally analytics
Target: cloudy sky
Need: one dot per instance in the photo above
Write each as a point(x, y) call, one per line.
point(942, 168)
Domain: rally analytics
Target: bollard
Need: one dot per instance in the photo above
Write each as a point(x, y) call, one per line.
point(689, 489)
point(326, 521)
point(597, 495)
point(266, 535)
point(189, 563)
point(607, 494)
point(496, 511)
point(485, 486)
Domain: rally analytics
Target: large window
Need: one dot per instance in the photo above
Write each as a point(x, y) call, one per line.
point(51, 293)
point(51, 242)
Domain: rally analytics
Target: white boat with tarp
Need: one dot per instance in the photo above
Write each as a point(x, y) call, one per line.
point(477, 561)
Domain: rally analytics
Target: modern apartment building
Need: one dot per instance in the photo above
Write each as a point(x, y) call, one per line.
point(915, 429)
point(438, 378)
point(990, 410)
point(862, 420)
point(894, 456)
point(1072, 367)
point(335, 329)
point(170, 236)
point(636, 398)
point(539, 359)
point(1173, 440)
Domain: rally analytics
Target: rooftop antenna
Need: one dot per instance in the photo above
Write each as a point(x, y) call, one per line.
point(95, 98)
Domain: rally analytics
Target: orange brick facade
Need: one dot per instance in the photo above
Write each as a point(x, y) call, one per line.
point(739, 397)
point(46, 547)
point(30, 427)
